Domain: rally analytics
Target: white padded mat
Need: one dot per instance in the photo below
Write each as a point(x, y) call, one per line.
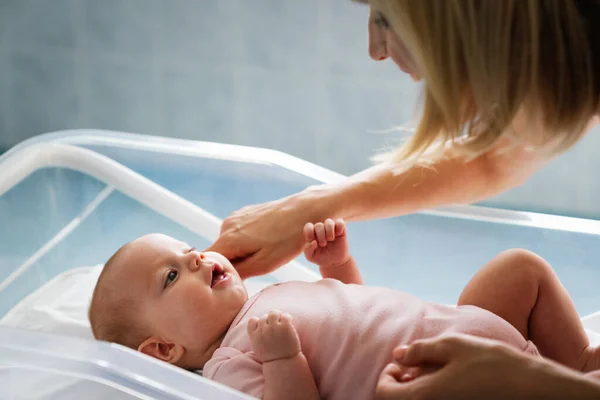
point(61, 305)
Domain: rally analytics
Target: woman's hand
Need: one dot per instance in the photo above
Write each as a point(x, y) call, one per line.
point(466, 367)
point(459, 367)
point(259, 239)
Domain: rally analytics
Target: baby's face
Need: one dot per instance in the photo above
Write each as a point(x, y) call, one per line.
point(187, 298)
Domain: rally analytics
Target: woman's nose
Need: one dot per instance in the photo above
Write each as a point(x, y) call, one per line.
point(196, 260)
point(378, 51)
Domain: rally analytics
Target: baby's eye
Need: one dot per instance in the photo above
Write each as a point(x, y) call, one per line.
point(171, 276)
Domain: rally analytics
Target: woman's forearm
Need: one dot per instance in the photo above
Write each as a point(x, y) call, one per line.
point(553, 381)
point(379, 193)
point(472, 368)
point(263, 237)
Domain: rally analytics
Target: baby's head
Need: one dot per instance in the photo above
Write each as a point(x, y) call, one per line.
point(165, 299)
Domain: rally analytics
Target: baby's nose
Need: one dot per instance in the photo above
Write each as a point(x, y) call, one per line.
point(196, 260)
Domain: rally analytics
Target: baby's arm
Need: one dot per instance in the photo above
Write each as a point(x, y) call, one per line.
point(285, 369)
point(327, 246)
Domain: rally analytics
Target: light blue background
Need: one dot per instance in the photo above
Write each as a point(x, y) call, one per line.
point(285, 74)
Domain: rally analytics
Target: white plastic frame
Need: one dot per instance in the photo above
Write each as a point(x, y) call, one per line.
point(61, 149)
point(273, 157)
point(32, 158)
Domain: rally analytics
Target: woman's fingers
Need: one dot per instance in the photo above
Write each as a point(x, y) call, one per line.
point(436, 351)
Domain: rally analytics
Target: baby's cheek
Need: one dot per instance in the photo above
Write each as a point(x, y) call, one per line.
point(186, 330)
point(177, 318)
point(193, 317)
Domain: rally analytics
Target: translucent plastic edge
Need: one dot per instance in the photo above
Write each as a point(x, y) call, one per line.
point(297, 165)
point(592, 321)
point(56, 239)
point(41, 155)
point(110, 364)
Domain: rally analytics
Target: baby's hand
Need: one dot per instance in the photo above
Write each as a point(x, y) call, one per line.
point(326, 243)
point(273, 336)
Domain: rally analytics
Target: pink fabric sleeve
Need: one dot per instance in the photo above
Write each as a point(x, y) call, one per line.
point(240, 371)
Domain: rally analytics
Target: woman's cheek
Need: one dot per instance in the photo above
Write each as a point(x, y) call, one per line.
point(400, 55)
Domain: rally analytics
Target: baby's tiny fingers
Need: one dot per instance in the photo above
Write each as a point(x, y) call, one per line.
point(310, 247)
point(309, 232)
point(330, 229)
point(408, 374)
point(340, 227)
point(286, 318)
point(274, 316)
point(320, 232)
point(392, 372)
point(252, 324)
point(262, 321)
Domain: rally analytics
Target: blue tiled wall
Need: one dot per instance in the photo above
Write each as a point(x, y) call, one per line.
point(285, 74)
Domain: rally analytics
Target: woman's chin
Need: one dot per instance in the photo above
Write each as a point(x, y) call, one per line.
point(415, 77)
point(407, 70)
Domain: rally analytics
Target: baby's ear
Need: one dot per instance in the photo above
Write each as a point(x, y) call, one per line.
point(161, 349)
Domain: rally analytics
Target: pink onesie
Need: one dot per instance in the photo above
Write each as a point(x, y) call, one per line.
point(347, 333)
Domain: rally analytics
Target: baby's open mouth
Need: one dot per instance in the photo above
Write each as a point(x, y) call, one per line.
point(218, 274)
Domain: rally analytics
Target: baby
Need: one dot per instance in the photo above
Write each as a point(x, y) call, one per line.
point(327, 339)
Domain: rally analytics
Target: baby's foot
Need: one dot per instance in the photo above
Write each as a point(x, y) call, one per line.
point(591, 355)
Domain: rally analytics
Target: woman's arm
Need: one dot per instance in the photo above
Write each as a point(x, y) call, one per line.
point(263, 237)
point(470, 368)
point(379, 193)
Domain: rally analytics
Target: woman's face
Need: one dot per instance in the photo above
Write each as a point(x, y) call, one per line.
point(384, 44)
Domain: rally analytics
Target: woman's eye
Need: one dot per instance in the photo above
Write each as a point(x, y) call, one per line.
point(171, 276)
point(381, 21)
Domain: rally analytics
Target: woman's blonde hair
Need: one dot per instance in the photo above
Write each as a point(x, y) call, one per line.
point(484, 61)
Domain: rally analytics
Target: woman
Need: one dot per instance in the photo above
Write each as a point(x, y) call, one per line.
point(507, 86)
point(469, 368)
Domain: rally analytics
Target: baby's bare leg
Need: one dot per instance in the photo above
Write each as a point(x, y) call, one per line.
point(522, 288)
